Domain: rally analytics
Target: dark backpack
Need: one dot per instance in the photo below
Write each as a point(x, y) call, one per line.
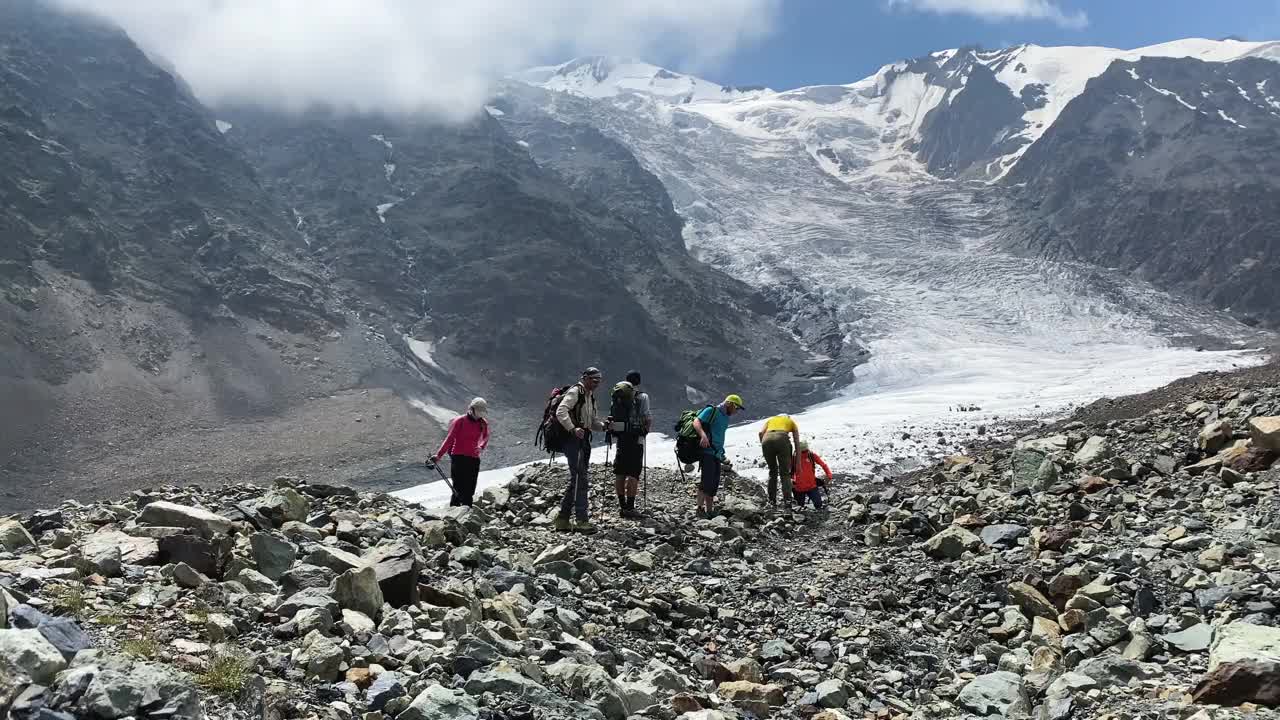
point(623, 409)
point(688, 444)
point(551, 435)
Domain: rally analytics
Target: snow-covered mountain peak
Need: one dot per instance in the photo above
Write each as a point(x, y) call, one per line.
point(603, 77)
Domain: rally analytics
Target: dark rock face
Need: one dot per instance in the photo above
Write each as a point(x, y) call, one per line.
point(962, 135)
point(1167, 169)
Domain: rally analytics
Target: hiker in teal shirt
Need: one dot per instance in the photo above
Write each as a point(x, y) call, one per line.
point(711, 424)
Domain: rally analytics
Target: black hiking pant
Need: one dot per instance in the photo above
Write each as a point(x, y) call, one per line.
point(465, 471)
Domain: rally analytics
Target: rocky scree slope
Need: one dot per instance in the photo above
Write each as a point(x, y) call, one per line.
point(1117, 569)
point(1165, 169)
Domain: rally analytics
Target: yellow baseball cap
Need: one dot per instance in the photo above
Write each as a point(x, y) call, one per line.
point(736, 400)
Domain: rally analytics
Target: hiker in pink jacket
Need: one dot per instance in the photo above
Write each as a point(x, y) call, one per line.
point(467, 438)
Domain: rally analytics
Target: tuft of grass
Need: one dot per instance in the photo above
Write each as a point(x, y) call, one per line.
point(109, 619)
point(143, 647)
point(67, 599)
point(227, 673)
point(199, 615)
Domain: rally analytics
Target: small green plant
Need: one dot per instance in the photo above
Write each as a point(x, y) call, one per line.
point(109, 620)
point(67, 599)
point(199, 615)
point(143, 647)
point(227, 673)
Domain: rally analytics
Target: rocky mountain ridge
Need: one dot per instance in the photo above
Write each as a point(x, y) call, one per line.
point(196, 295)
point(1123, 566)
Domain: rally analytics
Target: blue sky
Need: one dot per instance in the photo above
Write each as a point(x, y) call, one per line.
point(839, 41)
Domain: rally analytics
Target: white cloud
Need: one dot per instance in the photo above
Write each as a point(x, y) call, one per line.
point(410, 56)
point(1001, 10)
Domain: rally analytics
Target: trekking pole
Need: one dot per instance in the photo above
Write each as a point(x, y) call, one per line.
point(644, 474)
point(436, 466)
point(608, 445)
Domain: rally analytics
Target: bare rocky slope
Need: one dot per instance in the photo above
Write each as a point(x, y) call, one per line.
point(1114, 566)
point(1165, 169)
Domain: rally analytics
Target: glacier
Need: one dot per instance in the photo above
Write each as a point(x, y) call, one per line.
point(818, 196)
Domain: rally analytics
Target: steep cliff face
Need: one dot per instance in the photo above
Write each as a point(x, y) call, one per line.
point(1166, 169)
point(517, 270)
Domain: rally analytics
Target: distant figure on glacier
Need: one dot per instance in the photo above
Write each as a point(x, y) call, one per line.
point(807, 484)
point(776, 438)
point(467, 438)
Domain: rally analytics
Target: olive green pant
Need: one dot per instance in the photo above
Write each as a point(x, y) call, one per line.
point(777, 454)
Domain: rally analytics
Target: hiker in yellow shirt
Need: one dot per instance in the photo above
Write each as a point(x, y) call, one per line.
point(776, 438)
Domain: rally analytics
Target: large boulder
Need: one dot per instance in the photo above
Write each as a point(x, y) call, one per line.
point(168, 514)
point(952, 543)
point(1033, 469)
point(398, 567)
point(282, 505)
point(13, 536)
point(1093, 450)
point(207, 555)
point(31, 653)
point(1265, 432)
point(1032, 602)
point(440, 703)
point(119, 687)
point(107, 550)
point(592, 683)
point(1241, 681)
point(999, 694)
point(1193, 639)
point(359, 591)
point(273, 554)
point(1238, 641)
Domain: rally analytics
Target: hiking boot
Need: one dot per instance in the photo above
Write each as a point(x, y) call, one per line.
point(562, 524)
point(584, 526)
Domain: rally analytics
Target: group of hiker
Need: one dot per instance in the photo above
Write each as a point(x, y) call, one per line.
point(571, 419)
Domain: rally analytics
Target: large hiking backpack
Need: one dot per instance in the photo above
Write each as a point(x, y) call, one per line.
point(551, 435)
point(622, 408)
point(688, 444)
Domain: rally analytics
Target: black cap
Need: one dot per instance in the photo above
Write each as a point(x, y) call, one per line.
point(592, 372)
point(633, 377)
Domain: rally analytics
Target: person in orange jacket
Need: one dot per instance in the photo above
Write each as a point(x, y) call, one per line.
point(806, 476)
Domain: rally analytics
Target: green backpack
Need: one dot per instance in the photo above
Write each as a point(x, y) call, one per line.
point(688, 445)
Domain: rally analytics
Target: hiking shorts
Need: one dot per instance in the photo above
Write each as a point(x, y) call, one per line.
point(710, 482)
point(630, 459)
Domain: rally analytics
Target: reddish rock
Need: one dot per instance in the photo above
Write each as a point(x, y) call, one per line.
point(1090, 484)
point(1243, 681)
point(1254, 459)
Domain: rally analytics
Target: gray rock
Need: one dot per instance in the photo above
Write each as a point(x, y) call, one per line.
point(1005, 536)
point(120, 687)
point(314, 619)
point(1094, 449)
point(256, 582)
point(440, 703)
point(636, 620)
point(333, 558)
point(1108, 670)
point(831, 694)
point(1000, 694)
point(1033, 469)
point(310, 597)
point(593, 684)
point(323, 659)
point(1194, 639)
point(65, 635)
point(282, 505)
point(133, 549)
point(207, 556)
point(167, 514)
point(503, 679)
point(186, 576)
point(1238, 641)
point(385, 687)
point(13, 536)
point(102, 557)
point(398, 568)
point(952, 543)
point(359, 590)
point(272, 554)
point(304, 576)
point(640, 562)
point(29, 652)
